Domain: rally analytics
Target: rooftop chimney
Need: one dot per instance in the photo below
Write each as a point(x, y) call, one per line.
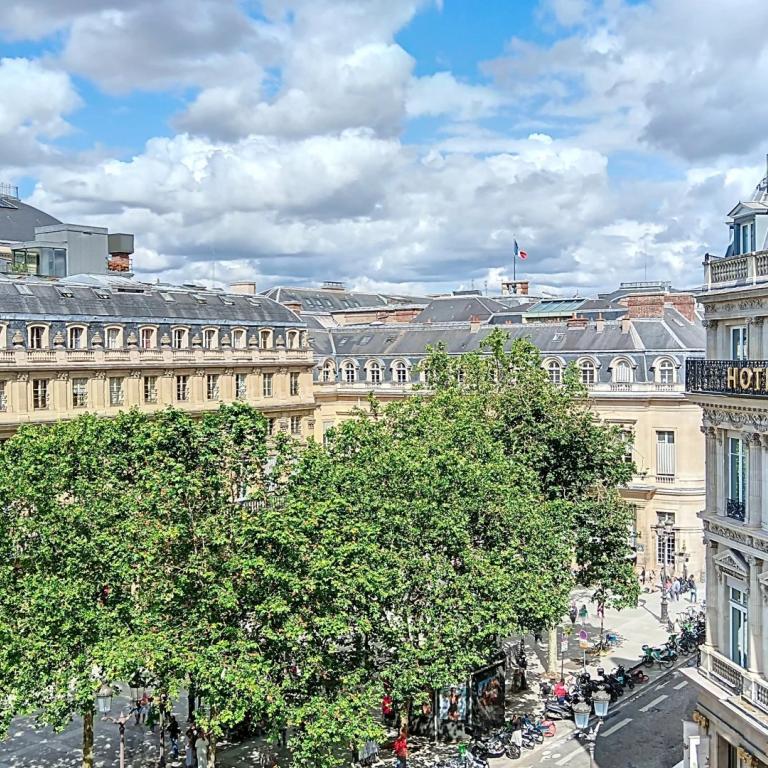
point(599, 323)
point(644, 305)
point(685, 304)
point(294, 306)
point(474, 323)
point(333, 285)
point(626, 324)
point(246, 287)
point(576, 322)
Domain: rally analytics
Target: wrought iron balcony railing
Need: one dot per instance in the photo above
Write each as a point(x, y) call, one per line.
point(746, 378)
point(736, 510)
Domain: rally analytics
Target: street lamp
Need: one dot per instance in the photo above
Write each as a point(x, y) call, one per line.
point(104, 706)
point(664, 531)
point(581, 711)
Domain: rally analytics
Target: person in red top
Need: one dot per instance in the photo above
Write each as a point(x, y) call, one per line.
point(560, 691)
point(387, 708)
point(401, 749)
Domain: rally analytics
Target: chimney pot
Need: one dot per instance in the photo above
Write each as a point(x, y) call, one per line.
point(246, 287)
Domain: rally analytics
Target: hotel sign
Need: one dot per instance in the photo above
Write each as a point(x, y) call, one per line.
point(727, 377)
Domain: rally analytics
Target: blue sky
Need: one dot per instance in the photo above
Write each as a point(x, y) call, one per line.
point(389, 143)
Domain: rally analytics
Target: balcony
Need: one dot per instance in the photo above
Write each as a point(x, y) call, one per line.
point(745, 378)
point(736, 509)
point(734, 271)
point(743, 685)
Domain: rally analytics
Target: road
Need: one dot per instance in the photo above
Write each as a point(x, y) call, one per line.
point(643, 730)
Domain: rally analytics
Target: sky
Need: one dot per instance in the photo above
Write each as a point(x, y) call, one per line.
point(394, 145)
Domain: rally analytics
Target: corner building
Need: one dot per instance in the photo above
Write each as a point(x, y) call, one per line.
point(730, 386)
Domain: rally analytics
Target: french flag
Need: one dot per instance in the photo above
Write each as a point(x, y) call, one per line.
point(518, 252)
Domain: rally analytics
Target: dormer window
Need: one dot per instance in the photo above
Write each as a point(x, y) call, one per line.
point(744, 237)
point(210, 338)
point(147, 338)
point(76, 338)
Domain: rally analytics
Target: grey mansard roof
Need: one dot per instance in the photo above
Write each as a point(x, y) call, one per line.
point(451, 309)
point(314, 300)
point(94, 298)
point(18, 220)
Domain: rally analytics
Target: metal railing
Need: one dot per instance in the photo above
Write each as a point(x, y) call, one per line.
point(736, 509)
point(746, 378)
point(738, 681)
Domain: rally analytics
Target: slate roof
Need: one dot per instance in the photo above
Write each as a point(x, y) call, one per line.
point(451, 309)
point(18, 220)
point(92, 298)
point(315, 300)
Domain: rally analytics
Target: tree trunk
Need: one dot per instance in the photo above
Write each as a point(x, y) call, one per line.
point(191, 694)
point(88, 740)
point(212, 753)
point(552, 655)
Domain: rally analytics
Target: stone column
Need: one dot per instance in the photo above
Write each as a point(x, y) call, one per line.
point(711, 330)
point(722, 350)
point(720, 458)
point(710, 464)
point(755, 498)
point(755, 348)
point(755, 621)
point(764, 499)
point(712, 585)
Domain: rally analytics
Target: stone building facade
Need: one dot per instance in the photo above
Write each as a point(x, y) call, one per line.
point(730, 386)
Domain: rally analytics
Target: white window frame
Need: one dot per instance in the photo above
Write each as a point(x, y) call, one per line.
point(182, 387)
point(212, 389)
point(294, 382)
point(267, 384)
point(292, 338)
point(266, 338)
point(210, 338)
point(41, 394)
point(79, 392)
point(663, 367)
point(738, 342)
point(147, 337)
point(180, 338)
point(113, 341)
point(116, 392)
point(622, 371)
point(555, 372)
point(588, 372)
point(400, 373)
point(738, 636)
point(37, 340)
point(374, 372)
point(3, 395)
point(239, 338)
point(666, 457)
point(329, 371)
point(149, 389)
point(241, 386)
point(349, 372)
point(77, 334)
point(666, 544)
point(738, 458)
point(295, 425)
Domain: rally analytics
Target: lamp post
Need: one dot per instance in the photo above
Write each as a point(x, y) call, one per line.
point(104, 706)
point(581, 712)
point(664, 531)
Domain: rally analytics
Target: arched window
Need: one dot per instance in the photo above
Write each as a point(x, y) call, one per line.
point(114, 337)
point(293, 339)
point(147, 338)
point(374, 372)
point(210, 338)
point(238, 338)
point(180, 338)
point(555, 372)
point(265, 339)
point(38, 336)
point(401, 372)
point(76, 338)
point(665, 371)
point(329, 371)
point(622, 372)
point(588, 372)
point(350, 372)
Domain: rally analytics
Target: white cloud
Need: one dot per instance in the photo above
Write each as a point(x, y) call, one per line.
point(443, 94)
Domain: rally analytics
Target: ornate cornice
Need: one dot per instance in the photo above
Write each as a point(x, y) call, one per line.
point(737, 417)
point(701, 720)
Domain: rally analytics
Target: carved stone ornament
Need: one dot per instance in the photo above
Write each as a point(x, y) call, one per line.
point(709, 323)
point(132, 341)
point(168, 373)
point(199, 371)
point(746, 759)
point(762, 580)
point(253, 341)
point(229, 371)
point(701, 720)
point(226, 341)
point(101, 375)
point(18, 339)
point(58, 339)
point(23, 377)
point(135, 374)
point(732, 564)
point(97, 340)
point(197, 341)
point(165, 340)
point(63, 375)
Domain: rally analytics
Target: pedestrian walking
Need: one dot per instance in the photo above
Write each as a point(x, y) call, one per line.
point(692, 588)
point(174, 731)
point(151, 715)
point(573, 613)
point(400, 748)
point(137, 711)
point(189, 747)
point(652, 580)
point(642, 577)
point(144, 708)
point(201, 749)
point(583, 613)
point(675, 588)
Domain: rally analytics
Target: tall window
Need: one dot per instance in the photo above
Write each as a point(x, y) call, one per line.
point(329, 372)
point(555, 372)
point(76, 338)
point(116, 396)
point(147, 338)
point(374, 372)
point(295, 425)
point(628, 438)
point(665, 542)
point(350, 374)
point(401, 373)
point(241, 386)
point(294, 383)
point(293, 339)
point(150, 389)
point(3, 397)
point(271, 426)
point(182, 388)
point(179, 339)
point(39, 394)
point(36, 337)
point(209, 338)
point(587, 370)
point(266, 384)
point(739, 640)
point(113, 338)
point(622, 372)
point(739, 350)
point(666, 372)
point(212, 386)
point(79, 393)
point(238, 338)
point(265, 339)
point(665, 456)
point(738, 468)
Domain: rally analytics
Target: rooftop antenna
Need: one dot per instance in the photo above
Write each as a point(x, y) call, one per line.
point(486, 287)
